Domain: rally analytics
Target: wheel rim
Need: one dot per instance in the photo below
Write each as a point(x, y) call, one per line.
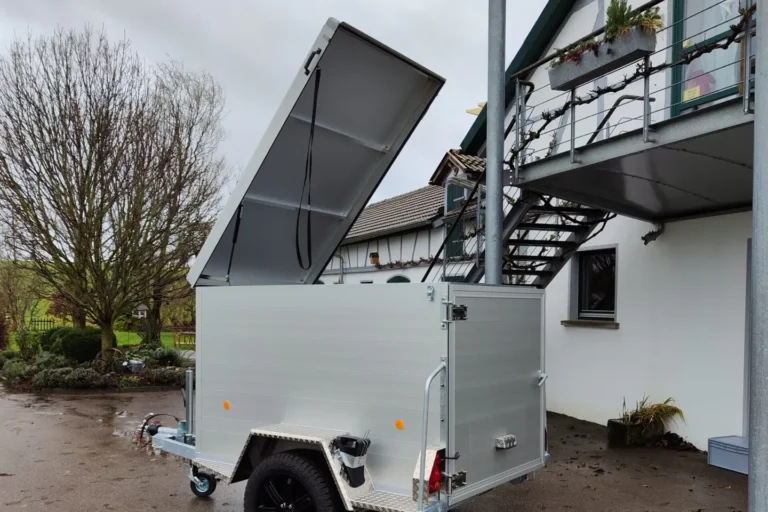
point(283, 492)
point(203, 486)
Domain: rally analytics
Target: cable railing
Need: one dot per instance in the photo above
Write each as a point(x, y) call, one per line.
point(676, 78)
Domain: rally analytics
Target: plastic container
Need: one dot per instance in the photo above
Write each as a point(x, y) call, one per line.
point(729, 452)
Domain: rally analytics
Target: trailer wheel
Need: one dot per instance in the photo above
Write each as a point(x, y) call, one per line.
point(289, 481)
point(206, 487)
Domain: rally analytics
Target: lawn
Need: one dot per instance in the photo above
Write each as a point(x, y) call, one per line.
point(132, 338)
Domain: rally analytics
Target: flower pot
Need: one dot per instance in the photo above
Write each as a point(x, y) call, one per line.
point(625, 434)
point(626, 48)
point(374, 258)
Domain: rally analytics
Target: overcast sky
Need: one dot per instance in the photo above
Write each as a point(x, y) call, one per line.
point(256, 47)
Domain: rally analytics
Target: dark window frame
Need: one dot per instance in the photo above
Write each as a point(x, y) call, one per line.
point(585, 259)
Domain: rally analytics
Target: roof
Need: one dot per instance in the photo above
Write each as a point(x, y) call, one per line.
point(455, 160)
point(419, 207)
point(544, 30)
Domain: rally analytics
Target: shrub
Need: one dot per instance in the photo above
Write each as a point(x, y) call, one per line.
point(49, 361)
point(81, 345)
point(49, 337)
point(6, 355)
point(53, 378)
point(165, 377)
point(166, 356)
point(81, 378)
point(28, 343)
point(17, 372)
point(131, 381)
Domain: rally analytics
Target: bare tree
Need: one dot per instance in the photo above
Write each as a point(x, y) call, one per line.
point(109, 169)
point(21, 289)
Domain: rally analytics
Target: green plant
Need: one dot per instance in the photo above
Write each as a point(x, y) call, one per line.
point(650, 21)
point(52, 378)
point(6, 355)
point(28, 343)
point(165, 377)
point(649, 414)
point(167, 356)
point(130, 381)
point(49, 361)
point(618, 19)
point(17, 372)
point(81, 378)
point(49, 337)
point(81, 345)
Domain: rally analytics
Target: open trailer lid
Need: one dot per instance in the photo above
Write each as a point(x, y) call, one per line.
point(336, 133)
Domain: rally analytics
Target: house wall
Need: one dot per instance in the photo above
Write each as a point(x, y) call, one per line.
point(681, 314)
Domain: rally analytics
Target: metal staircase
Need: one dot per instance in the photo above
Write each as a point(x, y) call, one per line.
point(541, 233)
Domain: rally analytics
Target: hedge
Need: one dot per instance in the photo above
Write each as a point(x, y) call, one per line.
point(81, 345)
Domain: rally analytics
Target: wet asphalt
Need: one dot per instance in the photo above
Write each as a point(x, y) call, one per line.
point(73, 453)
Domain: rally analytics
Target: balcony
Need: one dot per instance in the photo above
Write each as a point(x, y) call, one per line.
point(666, 137)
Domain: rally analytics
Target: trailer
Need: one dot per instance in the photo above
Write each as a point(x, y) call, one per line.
point(398, 398)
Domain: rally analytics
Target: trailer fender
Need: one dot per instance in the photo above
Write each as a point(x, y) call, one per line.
point(269, 440)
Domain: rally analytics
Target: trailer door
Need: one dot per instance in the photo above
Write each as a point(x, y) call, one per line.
point(496, 401)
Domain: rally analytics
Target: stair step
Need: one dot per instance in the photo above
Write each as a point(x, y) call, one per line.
point(542, 243)
point(533, 257)
point(571, 228)
point(568, 210)
point(521, 272)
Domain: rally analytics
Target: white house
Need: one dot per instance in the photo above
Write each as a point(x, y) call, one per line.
point(653, 302)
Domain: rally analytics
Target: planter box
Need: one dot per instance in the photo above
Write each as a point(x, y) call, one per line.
point(625, 49)
point(622, 434)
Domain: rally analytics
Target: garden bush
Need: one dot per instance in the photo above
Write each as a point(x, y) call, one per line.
point(28, 343)
point(81, 345)
point(16, 372)
point(167, 356)
point(53, 378)
point(49, 338)
point(81, 378)
point(165, 377)
point(49, 361)
point(7, 355)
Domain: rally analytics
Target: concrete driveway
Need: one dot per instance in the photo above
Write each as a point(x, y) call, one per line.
point(71, 453)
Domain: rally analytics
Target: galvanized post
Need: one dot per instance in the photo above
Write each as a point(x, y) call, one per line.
point(747, 70)
point(190, 416)
point(647, 100)
point(495, 141)
point(574, 160)
point(518, 129)
point(758, 379)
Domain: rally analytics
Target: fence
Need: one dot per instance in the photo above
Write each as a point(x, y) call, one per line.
point(41, 324)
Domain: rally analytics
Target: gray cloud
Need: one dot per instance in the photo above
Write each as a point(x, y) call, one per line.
point(255, 48)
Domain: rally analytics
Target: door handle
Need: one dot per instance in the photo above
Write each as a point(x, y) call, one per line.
point(542, 378)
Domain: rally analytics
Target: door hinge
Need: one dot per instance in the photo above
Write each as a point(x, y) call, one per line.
point(455, 481)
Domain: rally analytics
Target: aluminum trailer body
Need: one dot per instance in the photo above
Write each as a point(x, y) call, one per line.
point(384, 397)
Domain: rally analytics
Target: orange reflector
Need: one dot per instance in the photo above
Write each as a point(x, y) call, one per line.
point(399, 424)
point(226, 404)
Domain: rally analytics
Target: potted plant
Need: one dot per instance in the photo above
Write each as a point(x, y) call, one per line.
point(644, 424)
point(374, 258)
point(628, 37)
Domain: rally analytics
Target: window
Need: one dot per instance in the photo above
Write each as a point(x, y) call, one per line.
point(398, 279)
point(453, 279)
point(715, 75)
point(597, 285)
point(454, 195)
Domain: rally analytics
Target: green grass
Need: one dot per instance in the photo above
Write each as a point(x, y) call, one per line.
point(132, 338)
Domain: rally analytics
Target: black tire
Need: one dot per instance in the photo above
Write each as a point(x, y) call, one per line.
point(293, 470)
point(205, 490)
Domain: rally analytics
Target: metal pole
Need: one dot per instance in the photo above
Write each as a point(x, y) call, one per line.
point(518, 127)
point(758, 378)
point(574, 160)
point(747, 70)
point(647, 100)
point(494, 215)
point(190, 402)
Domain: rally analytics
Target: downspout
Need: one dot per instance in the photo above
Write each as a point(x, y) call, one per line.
point(341, 267)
